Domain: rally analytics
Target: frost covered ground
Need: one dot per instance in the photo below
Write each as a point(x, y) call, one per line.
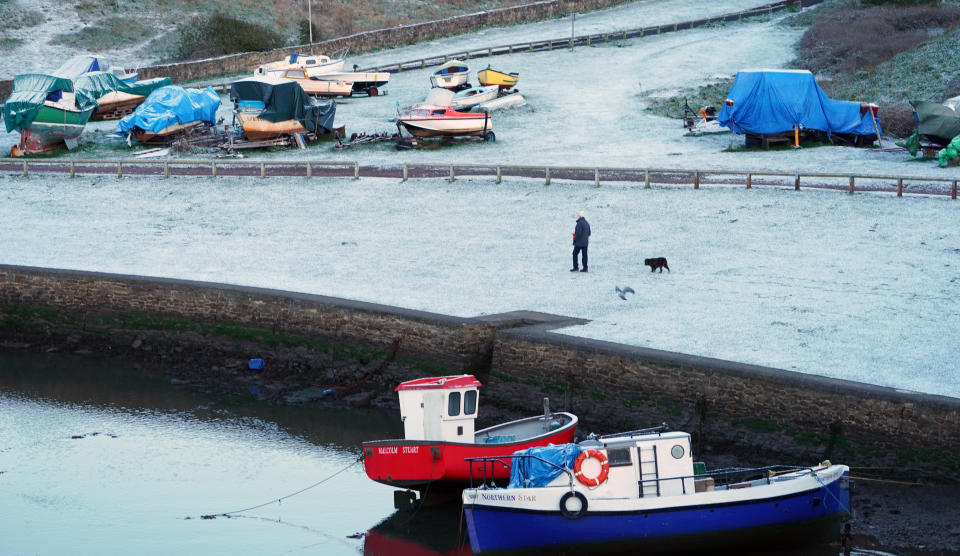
point(861, 287)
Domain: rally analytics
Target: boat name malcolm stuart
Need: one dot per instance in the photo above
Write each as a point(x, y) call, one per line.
point(509, 497)
point(393, 450)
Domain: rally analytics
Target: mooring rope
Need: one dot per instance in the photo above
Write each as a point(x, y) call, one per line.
point(278, 500)
point(850, 513)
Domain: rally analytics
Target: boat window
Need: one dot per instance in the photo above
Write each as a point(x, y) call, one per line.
point(311, 62)
point(437, 112)
point(619, 457)
point(453, 405)
point(296, 74)
point(470, 402)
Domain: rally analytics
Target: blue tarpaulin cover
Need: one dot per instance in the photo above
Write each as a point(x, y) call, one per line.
point(773, 101)
point(172, 105)
point(530, 472)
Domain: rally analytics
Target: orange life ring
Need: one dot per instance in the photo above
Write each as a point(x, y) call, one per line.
point(604, 468)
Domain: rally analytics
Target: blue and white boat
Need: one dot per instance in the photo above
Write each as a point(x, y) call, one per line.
point(641, 492)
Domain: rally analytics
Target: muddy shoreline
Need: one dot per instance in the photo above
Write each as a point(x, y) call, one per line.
point(889, 515)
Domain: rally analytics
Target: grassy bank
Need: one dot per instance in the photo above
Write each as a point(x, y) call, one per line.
point(158, 28)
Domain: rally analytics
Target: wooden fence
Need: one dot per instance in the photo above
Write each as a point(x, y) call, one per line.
point(597, 174)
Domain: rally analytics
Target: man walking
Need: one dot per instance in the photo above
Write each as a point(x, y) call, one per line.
point(581, 238)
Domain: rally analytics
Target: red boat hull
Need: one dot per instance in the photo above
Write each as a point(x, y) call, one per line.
point(415, 464)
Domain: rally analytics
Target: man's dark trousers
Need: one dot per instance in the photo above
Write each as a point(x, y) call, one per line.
point(577, 249)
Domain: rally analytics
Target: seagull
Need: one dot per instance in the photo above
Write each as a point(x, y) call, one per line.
point(623, 292)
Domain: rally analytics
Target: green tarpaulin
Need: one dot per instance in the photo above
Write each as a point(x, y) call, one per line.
point(286, 100)
point(98, 83)
point(30, 90)
point(937, 122)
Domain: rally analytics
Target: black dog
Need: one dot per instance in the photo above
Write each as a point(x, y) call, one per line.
point(657, 262)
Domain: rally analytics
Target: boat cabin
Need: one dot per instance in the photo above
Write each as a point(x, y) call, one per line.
point(661, 463)
point(439, 408)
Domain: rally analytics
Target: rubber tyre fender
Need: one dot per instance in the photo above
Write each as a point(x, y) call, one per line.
point(565, 512)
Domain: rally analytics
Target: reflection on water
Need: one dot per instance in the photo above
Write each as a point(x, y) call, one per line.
point(114, 461)
point(119, 462)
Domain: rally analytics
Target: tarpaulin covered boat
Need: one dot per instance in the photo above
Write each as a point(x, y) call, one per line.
point(170, 110)
point(939, 123)
point(46, 111)
point(268, 107)
point(438, 416)
point(115, 97)
point(769, 102)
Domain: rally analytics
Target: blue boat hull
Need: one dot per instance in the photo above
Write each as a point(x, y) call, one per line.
point(804, 518)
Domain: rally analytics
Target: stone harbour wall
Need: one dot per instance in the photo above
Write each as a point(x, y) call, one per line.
point(520, 357)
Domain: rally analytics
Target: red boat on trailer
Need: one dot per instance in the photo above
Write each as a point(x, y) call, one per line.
point(438, 416)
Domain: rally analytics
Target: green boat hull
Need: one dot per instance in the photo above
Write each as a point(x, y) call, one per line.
point(52, 127)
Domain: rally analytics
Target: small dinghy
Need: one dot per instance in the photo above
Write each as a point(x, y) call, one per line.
point(473, 96)
point(452, 75)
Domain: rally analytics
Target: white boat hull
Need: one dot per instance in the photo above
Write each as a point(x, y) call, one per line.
point(447, 127)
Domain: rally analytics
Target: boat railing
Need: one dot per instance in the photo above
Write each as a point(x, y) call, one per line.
point(502, 460)
point(661, 428)
point(723, 479)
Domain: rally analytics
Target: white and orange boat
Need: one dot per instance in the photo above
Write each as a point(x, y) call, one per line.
point(312, 64)
point(435, 118)
point(314, 86)
point(438, 415)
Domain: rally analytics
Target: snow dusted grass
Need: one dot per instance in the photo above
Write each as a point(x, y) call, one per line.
point(861, 287)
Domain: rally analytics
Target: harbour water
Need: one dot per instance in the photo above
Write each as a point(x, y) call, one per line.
point(99, 458)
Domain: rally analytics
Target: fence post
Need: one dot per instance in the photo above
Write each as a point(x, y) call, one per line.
point(899, 187)
point(490, 52)
point(25, 171)
point(646, 178)
point(423, 63)
point(547, 176)
point(166, 168)
point(263, 170)
point(356, 170)
point(851, 184)
point(404, 171)
point(696, 179)
point(73, 172)
point(624, 36)
point(749, 180)
point(796, 182)
point(119, 169)
point(213, 169)
point(658, 29)
point(451, 173)
point(511, 49)
point(953, 190)
point(309, 169)
point(499, 174)
point(531, 47)
point(596, 177)
point(588, 40)
point(550, 45)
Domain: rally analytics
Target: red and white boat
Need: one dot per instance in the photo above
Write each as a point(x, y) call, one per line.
point(435, 118)
point(438, 415)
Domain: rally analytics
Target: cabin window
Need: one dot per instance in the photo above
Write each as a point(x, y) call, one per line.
point(453, 405)
point(619, 457)
point(470, 402)
point(296, 74)
point(437, 113)
point(311, 62)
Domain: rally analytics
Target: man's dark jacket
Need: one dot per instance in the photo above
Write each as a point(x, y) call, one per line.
point(581, 234)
